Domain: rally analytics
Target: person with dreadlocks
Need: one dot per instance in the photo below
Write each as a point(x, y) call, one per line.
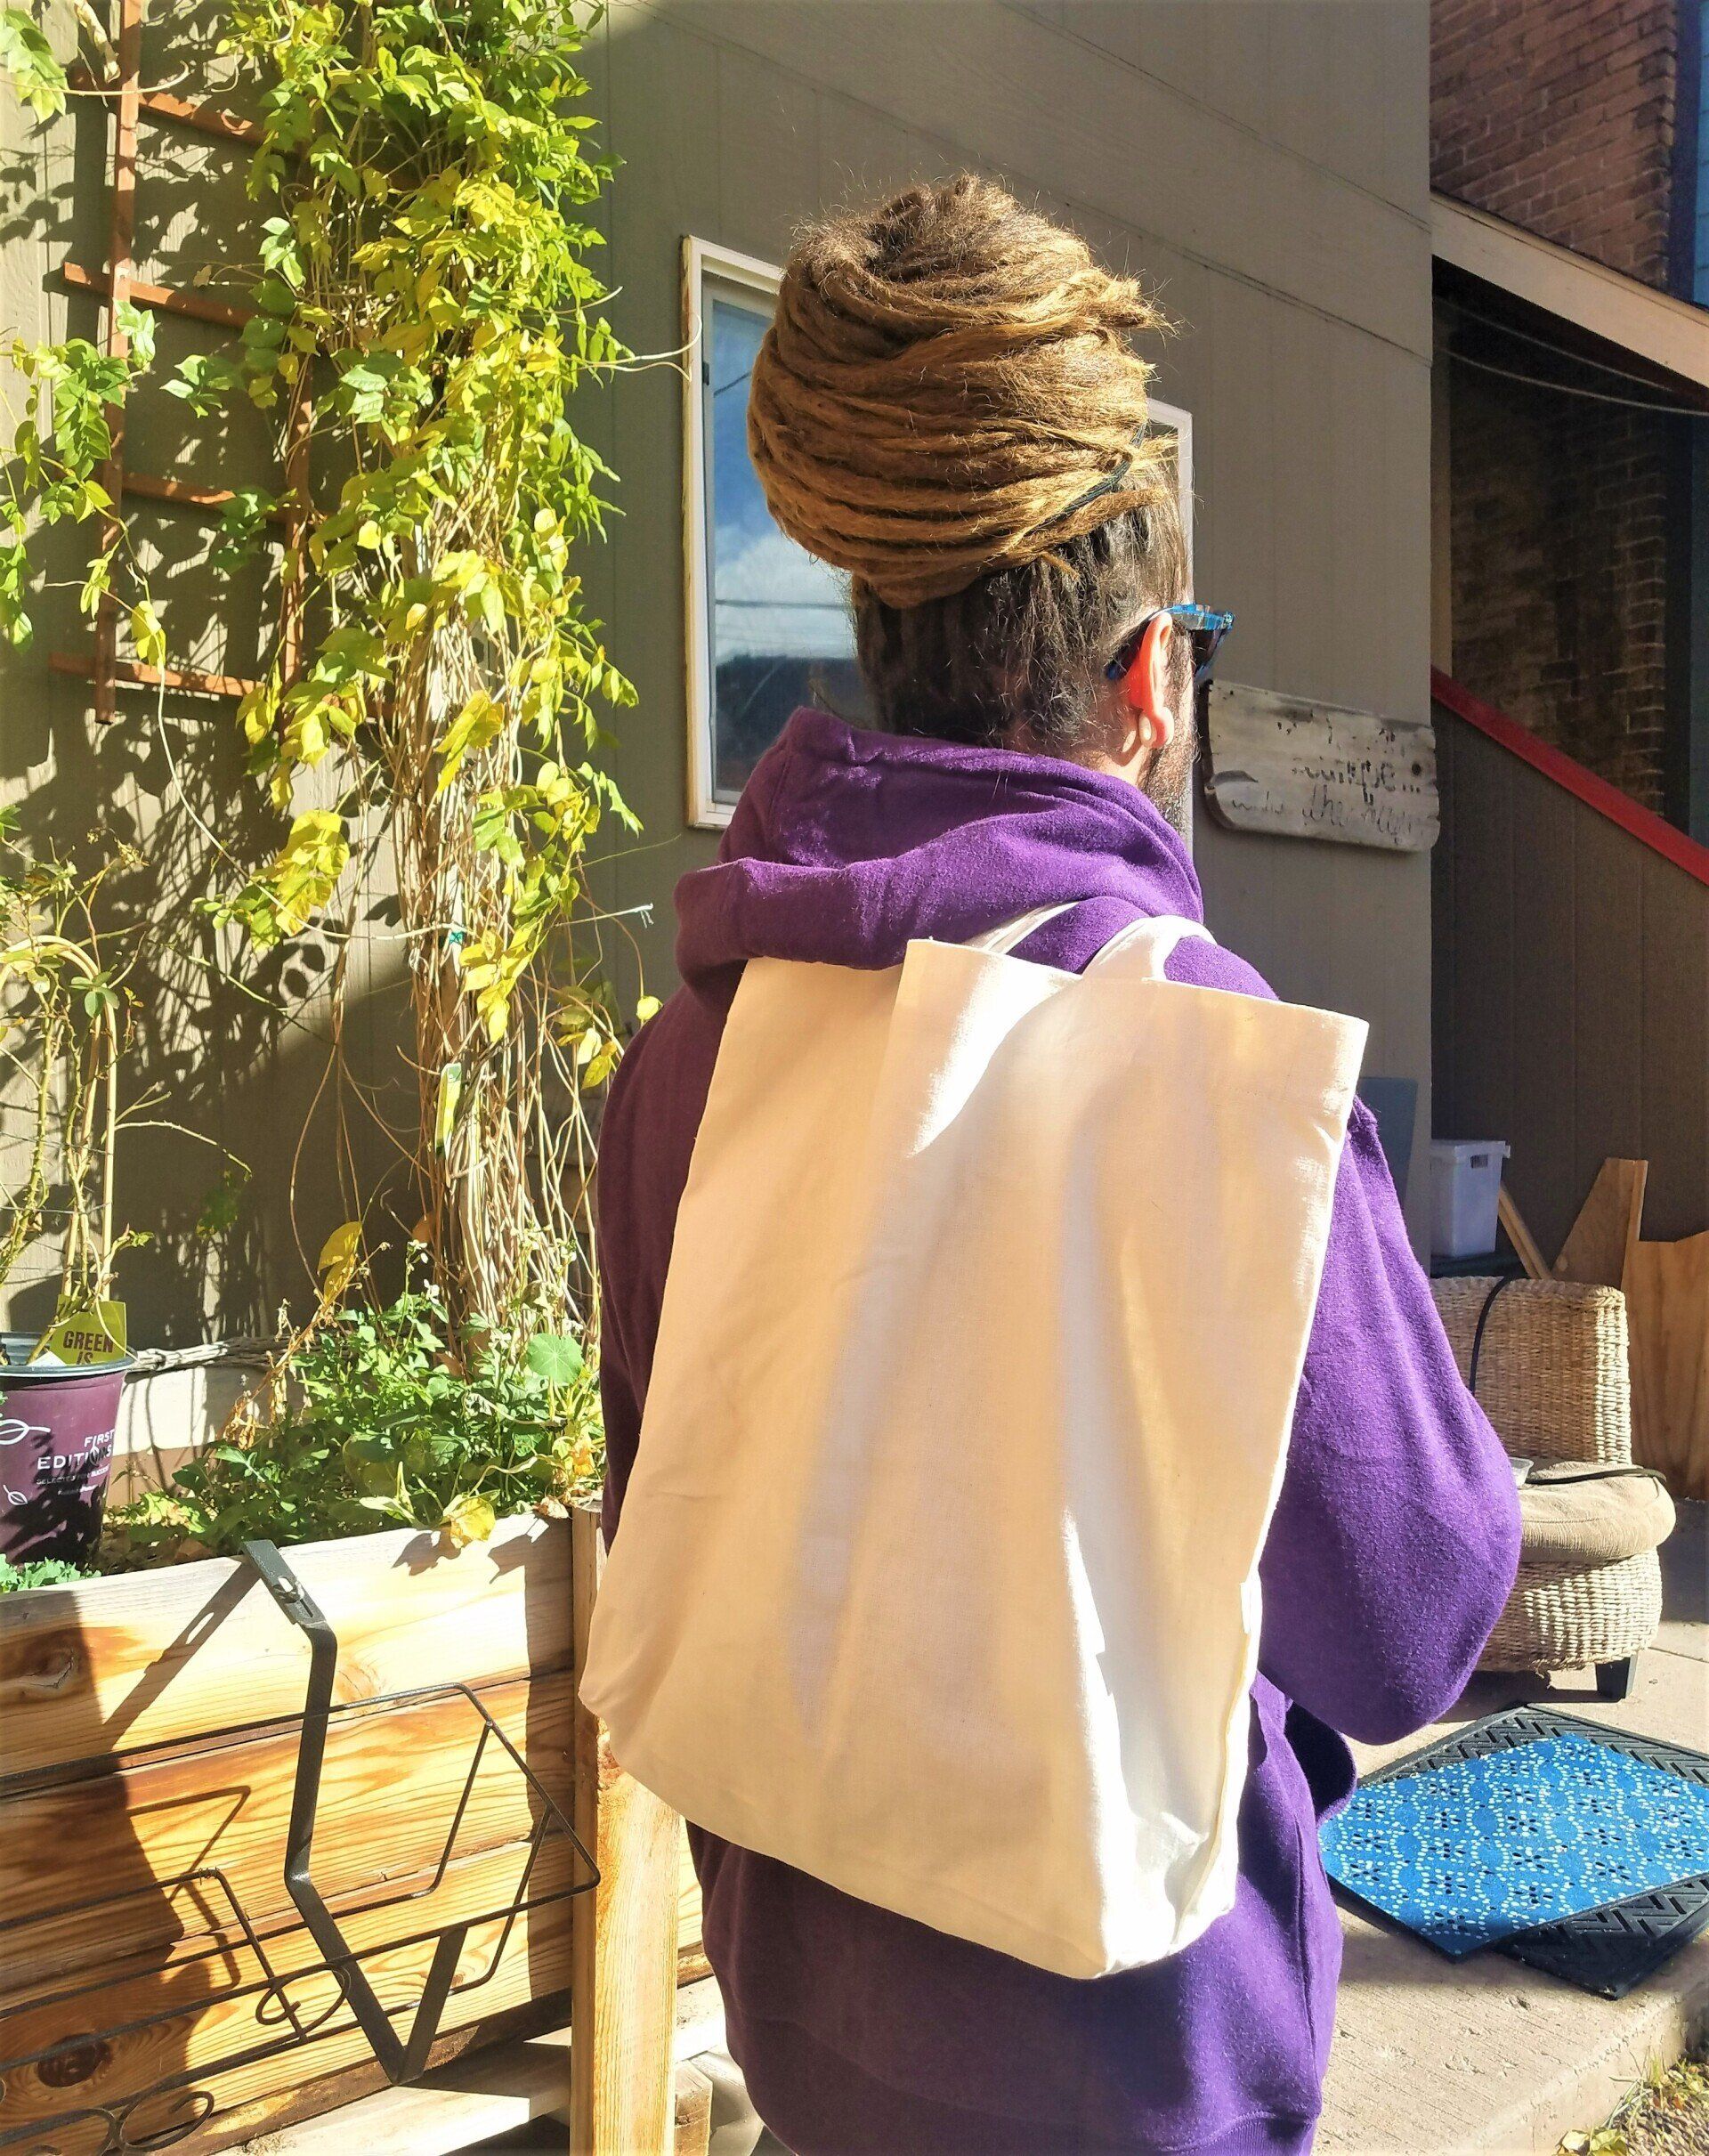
point(949, 408)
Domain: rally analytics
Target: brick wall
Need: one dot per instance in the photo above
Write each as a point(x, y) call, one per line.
point(1559, 571)
point(1559, 115)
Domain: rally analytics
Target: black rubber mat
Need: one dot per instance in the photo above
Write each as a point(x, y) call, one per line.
point(1607, 1950)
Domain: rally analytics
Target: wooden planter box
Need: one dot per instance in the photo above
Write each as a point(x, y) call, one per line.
point(148, 1943)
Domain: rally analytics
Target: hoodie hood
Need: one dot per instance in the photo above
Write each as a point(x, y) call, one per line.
point(846, 844)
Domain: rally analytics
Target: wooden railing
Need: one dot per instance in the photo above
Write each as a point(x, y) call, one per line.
point(1632, 817)
point(1571, 1018)
point(1571, 990)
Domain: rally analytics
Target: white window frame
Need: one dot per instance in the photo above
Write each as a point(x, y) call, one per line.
point(1173, 416)
point(702, 258)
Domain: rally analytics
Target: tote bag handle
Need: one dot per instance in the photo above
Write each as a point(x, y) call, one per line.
point(1007, 934)
point(1144, 946)
point(1146, 942)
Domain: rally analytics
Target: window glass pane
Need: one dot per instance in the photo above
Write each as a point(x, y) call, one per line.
point(778, 629)
point(780, 634)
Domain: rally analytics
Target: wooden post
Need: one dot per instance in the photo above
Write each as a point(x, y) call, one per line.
point(694, 2126)
point(1668, 1301)
point(623, 1955)
point(585, 1555)
point(121, 238)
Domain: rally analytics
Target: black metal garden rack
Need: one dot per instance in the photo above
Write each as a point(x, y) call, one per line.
point(172, 2107)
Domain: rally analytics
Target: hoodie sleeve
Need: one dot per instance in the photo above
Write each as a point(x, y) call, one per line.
point(620, 1392)
point(1396, 1538)
point(646, 1141)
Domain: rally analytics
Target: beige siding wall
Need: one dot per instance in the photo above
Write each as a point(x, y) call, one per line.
point(1265, 164)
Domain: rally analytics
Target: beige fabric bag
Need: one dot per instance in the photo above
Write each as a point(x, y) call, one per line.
point(937, 1575)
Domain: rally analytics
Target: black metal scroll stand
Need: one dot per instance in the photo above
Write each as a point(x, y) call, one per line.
point(166, 2109)
point(403, 2059)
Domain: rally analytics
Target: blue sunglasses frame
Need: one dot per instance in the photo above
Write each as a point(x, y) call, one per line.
point(1204, 624)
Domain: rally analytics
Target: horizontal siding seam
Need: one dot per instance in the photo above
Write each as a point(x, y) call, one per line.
point(664, 13)
point(1215, 113)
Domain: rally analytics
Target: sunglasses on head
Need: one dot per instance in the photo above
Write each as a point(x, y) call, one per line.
point(1205, 627)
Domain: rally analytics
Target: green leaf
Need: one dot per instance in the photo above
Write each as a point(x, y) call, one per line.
point(146, 632)
point(28, 58)
point(257, 712)
point(204, 381)
point(138, 325)
point(390, 1506)
point(470, 1518)
point(40, 1572)
point(555, 1357)
point(340, 1250)
point(478, 723)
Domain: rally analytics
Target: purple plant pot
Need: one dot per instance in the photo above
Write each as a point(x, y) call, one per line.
point(56, 1453)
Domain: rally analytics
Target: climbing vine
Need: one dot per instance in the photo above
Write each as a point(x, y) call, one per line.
point(422, 318)
point(425, 314)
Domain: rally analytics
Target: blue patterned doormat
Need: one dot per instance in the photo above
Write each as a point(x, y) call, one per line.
point(1564, 1845)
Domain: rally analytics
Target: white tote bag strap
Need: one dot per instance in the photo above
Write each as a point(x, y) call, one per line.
point(1145, 942)
point(1009, 932)
point(1144, 946)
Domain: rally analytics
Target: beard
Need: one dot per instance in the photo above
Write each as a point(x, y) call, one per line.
point(1168, 785)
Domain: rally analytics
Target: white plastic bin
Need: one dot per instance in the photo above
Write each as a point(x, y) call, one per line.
point(1465, 1183)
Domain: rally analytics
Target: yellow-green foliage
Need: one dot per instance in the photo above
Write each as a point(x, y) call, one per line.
point(424, 308)
point(423, 313)
point(426, 170)
point(61, 437)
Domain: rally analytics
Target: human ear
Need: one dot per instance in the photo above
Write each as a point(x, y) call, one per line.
point(1145, 684)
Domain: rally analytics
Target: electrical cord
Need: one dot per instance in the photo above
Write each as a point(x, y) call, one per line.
point(1567, 389)
point(1557, 352)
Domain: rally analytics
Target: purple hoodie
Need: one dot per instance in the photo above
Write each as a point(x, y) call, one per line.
point(1392, 1552)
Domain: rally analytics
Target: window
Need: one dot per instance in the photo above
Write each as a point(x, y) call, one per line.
point(768, 624)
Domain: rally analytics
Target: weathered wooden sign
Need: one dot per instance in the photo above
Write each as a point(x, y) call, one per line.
point(1320, 771)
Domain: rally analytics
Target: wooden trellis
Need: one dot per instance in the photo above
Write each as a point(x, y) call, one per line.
point(118, 282)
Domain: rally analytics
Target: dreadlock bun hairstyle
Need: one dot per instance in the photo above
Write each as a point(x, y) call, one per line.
point(948, 407)
point(948, 389)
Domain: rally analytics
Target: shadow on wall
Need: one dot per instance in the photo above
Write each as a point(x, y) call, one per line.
point(247, 1152)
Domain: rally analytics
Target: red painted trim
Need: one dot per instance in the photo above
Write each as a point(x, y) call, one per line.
point(1596, 793)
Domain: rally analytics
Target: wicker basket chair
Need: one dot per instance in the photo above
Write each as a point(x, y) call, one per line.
point(1547, 1360)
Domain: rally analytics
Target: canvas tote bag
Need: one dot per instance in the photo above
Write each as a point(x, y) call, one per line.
point(938, 1569)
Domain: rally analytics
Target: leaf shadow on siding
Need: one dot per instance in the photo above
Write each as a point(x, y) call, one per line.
point(244, 1155)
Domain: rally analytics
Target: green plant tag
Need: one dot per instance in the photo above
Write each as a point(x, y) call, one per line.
point(92, 1335)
